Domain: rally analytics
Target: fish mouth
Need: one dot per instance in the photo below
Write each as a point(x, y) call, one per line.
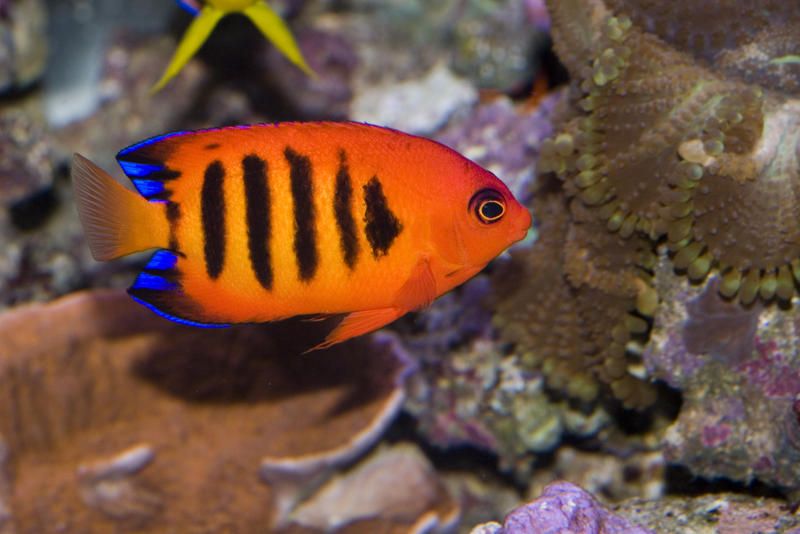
point(523, 231)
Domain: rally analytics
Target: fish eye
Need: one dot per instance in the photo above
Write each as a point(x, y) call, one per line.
point(488, 205)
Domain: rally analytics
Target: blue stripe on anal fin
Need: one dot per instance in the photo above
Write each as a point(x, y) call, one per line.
point(166, 315)
point(150, 281)
point(162, 260)
point(148, 188)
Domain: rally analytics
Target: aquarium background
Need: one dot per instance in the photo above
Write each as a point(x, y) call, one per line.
point(632, 366)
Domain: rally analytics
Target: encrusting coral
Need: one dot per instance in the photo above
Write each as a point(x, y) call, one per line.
point(684, 129)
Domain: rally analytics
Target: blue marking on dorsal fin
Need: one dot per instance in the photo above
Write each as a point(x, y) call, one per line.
point(162, 260)
point(177, 319)
point(150, 281)
point(138, 170)
point(150, 141)
point(190, 6)
point(148, 188)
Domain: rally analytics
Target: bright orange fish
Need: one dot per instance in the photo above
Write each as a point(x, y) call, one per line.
point(263, 222)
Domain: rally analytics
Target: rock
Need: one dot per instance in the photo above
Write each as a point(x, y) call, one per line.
point(563, 508)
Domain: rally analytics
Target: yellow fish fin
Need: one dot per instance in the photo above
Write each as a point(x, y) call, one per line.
point(360, 322)
point(274, 29)
point(420, 289)
point(196, 34)
point(117, 220)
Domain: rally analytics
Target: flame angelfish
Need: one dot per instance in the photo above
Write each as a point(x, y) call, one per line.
point(263, 222)
point(208, 12)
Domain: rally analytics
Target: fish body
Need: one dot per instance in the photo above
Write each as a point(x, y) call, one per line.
point(265, 222)
point(208, 13)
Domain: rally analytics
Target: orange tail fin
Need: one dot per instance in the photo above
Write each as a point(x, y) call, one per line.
point(117, 221)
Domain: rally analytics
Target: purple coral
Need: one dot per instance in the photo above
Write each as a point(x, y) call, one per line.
point(564, 508)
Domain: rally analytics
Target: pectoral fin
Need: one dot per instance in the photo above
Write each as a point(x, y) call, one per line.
point(360, 322)
point(420, 289)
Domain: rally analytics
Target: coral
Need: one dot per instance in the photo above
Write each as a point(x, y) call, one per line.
point(677, 135)
point(563, 508)
point(587, 293)
point(469, 392)
point(374, 490)
point(738, 372)
point(616, 477)
point(682, 129)
point(113, 419)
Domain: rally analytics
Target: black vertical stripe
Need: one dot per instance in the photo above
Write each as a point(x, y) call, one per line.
point(305, 234)
point(212, 209)
point(343, 210)
point(382, 226)
point(173, 216)
point(256, 194)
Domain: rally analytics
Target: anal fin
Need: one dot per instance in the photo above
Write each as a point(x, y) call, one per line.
point(358, 323)
point(158, 288)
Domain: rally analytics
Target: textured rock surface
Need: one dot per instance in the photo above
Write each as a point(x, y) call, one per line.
point(397, 485)
point(26, 154)
point(566, 509)
point(739, 371)
point(713, 514)
point(563, 508)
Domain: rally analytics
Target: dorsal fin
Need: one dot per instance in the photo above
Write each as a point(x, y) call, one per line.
point(144, 164)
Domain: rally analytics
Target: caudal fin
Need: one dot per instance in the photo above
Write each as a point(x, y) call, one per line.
point(116, 221)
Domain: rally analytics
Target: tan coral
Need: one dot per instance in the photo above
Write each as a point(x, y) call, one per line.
point(117, 420)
